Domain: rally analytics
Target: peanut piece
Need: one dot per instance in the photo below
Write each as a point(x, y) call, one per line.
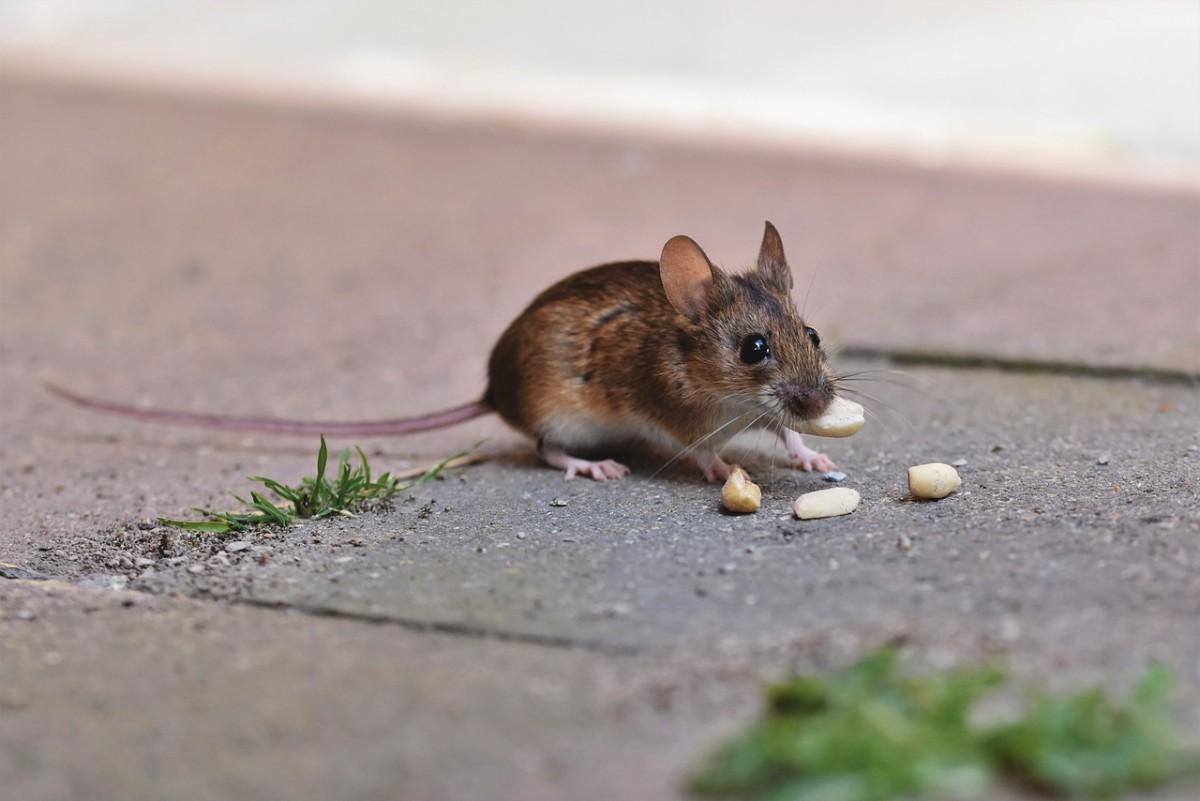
point(826, 503)
point(932, 481)
point(740, 495)
point(841, 419)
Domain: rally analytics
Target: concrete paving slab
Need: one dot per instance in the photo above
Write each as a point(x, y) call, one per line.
point(121, 695)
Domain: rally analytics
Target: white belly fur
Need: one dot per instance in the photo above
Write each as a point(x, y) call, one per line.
point(581, 433)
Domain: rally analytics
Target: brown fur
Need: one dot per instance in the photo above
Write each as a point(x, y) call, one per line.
point(607, 345)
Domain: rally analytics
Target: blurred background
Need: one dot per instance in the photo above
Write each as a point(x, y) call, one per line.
point(975, 178)
point(1078, 85)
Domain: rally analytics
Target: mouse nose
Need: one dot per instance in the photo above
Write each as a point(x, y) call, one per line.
point(804, 400)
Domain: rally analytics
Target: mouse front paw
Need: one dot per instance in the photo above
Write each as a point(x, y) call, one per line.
point(812, 461)
point(803, 457)
point(714, 467)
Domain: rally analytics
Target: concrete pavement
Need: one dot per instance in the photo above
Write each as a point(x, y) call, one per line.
point(229, 257)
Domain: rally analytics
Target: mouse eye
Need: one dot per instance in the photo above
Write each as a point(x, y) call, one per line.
point(754, 349)
point(813, 336)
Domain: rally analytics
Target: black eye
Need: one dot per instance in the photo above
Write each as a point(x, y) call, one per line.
point(754, 349)
point(813, 336)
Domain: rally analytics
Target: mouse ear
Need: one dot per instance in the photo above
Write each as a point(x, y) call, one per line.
point(771, 261)
point(686, 274)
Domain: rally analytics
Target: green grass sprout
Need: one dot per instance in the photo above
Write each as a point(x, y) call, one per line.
point(1086, 745)
point(352, 488)
point(867, 733)
point(873, 733)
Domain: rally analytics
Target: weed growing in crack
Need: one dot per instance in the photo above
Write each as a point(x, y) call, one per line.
point(351, 489)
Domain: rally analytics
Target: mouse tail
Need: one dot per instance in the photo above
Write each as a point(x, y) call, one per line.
point(274, 425)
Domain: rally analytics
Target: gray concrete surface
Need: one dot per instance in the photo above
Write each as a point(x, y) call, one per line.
point(1042, 536)
point(476, 637)
point(120, 695)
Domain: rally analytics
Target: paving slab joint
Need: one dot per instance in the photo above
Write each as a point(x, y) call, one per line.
point(18, 573)
point(1014, 364)
point(451, 628)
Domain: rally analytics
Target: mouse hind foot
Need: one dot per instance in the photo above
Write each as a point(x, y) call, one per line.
point(602, 470)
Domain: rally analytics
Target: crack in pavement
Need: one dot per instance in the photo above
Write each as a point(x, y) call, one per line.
point(443, 627)
point(18, 573)
point(451, 628)
point(1014, 364)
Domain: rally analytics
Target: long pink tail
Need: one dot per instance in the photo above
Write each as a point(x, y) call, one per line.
point(274, 425)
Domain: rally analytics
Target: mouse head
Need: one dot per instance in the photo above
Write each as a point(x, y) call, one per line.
point(743, 338)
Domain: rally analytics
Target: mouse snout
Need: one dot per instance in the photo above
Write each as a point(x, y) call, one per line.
point(805, 401)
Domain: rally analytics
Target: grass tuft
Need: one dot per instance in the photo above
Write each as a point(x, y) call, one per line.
point(873, 733)
point(351, 489)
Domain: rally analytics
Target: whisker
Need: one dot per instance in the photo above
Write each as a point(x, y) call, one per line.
point(871, 376)
point(872, 371)
point(865, 396)
point(872, 414)
point(698, 443)
point(807, 292)
point(747, 427)
point(777, 424)
point(878, 419)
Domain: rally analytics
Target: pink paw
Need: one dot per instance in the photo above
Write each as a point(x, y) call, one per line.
point(809, 460)
point(714, 467)
point(600, 471)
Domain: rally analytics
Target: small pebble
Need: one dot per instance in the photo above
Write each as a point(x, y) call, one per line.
point(904, 542)
point(26, 614)
point(237, 546)
point(142, 561)
point(834, 475)
point(958, 463)
point(1104, 459)
point(621, 610)
point(197, 568)
point(558, 502)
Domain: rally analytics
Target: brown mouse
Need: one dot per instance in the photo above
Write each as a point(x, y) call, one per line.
point(676, 355)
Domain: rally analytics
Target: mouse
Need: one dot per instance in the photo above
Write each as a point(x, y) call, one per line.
point(675, 356)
